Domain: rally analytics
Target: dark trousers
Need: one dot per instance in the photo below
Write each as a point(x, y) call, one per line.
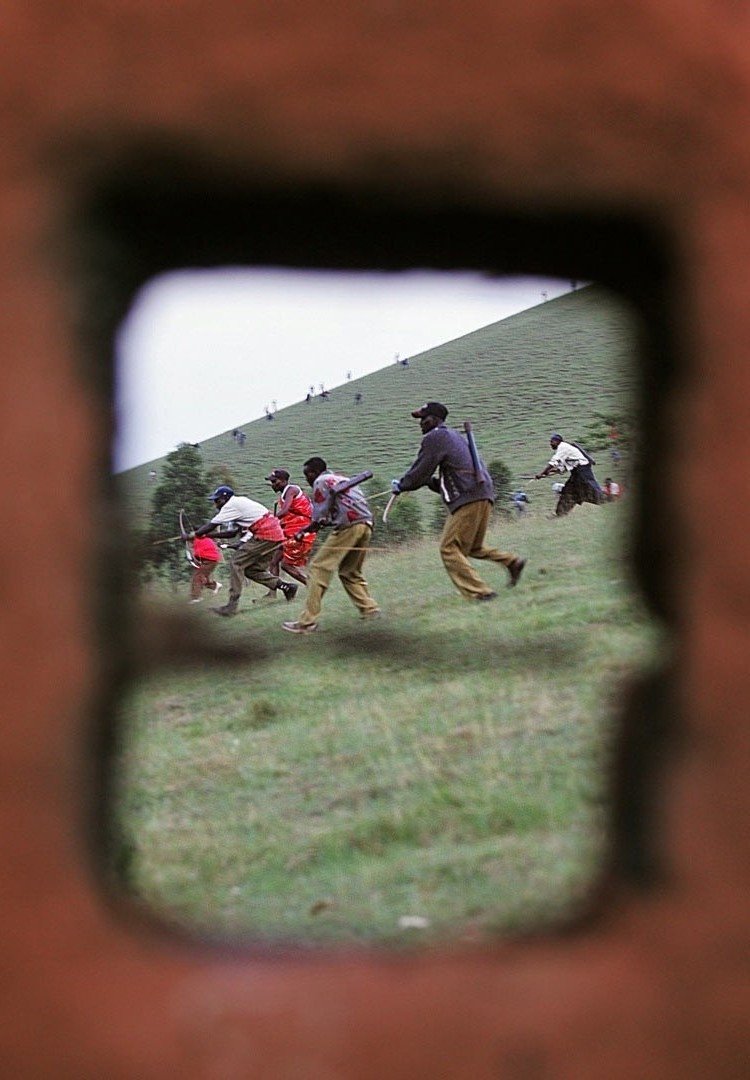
point(581, 487)
point(251, 559)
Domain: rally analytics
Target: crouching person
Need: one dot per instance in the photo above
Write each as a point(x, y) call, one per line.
point(260, 536)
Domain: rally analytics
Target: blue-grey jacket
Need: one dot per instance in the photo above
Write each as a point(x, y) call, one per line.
point(445, 451)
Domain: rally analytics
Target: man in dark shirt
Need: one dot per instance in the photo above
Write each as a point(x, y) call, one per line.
point(467, 491)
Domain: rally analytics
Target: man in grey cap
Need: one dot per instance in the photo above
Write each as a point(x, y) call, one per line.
point(582, 486)
point(467, 491)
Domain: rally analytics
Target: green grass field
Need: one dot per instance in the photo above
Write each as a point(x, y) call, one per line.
point(447, 761)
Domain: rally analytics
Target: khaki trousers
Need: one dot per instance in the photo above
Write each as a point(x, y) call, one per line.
point(463, 537)
point(344, 551)
point(251, 559)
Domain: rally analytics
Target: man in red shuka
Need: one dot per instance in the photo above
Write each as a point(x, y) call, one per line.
point(294, 511)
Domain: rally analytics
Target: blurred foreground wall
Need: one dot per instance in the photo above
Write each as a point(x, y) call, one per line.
point(613, 135)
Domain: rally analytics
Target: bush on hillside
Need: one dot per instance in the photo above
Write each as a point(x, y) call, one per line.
point(404, 522)
point(182, 487)
point(608, 431)
point(405, 519)
point(501, 478)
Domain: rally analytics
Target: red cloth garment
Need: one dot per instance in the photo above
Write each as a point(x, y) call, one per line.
point(298, 516)
point(205, 548)
point(297, 552)
point(267, 528)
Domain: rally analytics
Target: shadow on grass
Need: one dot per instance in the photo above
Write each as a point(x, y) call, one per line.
point(449, 652)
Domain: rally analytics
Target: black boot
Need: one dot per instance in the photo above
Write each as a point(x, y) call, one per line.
point(289, 590)
point(228, 610)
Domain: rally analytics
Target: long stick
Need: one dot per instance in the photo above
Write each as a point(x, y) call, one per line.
point(473, 450)
point(389, 506)
point(370, 547)
point(169, 540)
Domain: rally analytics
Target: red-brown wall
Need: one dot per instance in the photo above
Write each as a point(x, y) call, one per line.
point(567, 107)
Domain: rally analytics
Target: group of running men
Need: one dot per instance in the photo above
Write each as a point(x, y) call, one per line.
point(272, 542)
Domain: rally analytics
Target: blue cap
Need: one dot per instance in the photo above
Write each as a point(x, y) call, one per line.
point(221, 490)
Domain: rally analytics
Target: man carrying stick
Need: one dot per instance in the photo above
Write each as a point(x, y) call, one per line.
point(467, 491)
point(582, 486)
point(336, 502)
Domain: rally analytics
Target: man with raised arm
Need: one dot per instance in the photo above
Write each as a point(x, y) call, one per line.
point(445, 464)
point(347, 511)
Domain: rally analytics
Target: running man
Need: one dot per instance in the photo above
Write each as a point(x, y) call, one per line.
point(294, 511)
point(345, 549)
point(468, 493)
point(582, 486)
point(260, 535)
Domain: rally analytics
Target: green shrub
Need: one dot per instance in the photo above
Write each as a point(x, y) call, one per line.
point(404, 520)
point(501, 479)
point(182, 488)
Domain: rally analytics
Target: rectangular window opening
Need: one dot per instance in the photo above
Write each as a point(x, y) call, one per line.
point(438, 774)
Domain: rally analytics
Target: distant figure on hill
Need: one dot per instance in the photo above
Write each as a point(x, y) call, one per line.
point(260, 535)
point(582, 486)
point(358, 398)
point(467, 491)
point(345, 549)
point(294, 511)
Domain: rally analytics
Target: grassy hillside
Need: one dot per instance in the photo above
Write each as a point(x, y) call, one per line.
point(548, 368)
point(447, 762)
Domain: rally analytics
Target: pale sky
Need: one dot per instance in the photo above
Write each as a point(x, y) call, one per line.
point(202, 352)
